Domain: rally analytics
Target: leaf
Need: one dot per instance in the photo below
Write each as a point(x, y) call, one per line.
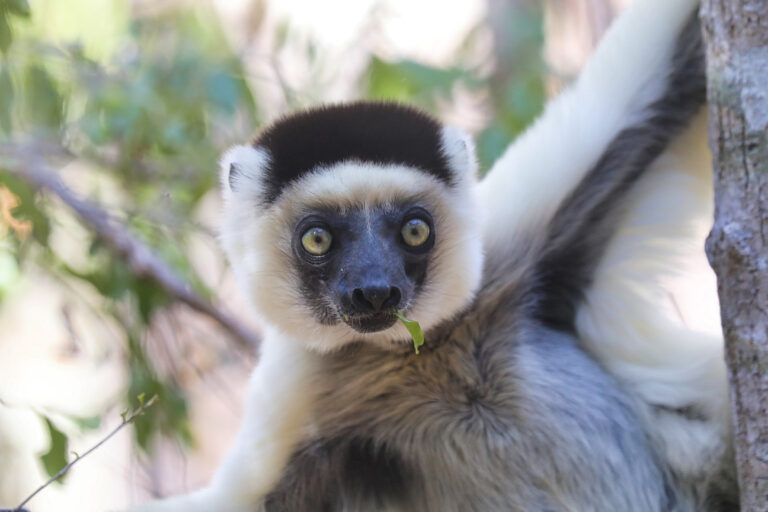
point(170, 419)
point(6, 100)
point(407, 80)
point(18, 7)
point(150, 298)
point(414, 329)
point(45, 105)
point(490, 144)
point(113, 279)
point(88, 423)
point(56, 457)
point(5, 32)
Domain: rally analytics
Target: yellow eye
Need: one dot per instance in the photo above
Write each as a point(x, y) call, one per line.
point(415, 232)
point(316, 241)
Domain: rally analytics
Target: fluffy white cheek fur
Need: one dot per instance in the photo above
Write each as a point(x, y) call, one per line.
point(258, 244)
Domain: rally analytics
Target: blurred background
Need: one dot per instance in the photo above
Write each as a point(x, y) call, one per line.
point(112, 116)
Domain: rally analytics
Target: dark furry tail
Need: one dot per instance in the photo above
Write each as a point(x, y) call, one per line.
point(582, 227)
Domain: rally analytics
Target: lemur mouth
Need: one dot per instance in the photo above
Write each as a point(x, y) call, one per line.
point(371, 323)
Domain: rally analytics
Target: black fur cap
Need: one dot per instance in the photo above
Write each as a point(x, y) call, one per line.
point(377, 132)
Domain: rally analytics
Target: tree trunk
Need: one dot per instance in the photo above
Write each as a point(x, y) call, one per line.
point(736, 37)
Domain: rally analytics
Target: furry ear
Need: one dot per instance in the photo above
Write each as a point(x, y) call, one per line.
point(459, 150)
point(242, 170)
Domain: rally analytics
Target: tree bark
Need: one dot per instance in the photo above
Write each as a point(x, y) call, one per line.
point(736, 38)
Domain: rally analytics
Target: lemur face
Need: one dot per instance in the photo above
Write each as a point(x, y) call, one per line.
point(335, 219)
point(363, 265)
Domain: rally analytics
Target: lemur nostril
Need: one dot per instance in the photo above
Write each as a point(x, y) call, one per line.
point(394, 298)
point(360, 301)
point(376, 298)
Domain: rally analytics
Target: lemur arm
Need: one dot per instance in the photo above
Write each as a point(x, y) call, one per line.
point(543, 166)
point(277, 405)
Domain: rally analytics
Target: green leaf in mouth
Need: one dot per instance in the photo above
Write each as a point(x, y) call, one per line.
point(414, 329)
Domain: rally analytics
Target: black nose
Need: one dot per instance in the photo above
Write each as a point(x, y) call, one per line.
point(372, 299)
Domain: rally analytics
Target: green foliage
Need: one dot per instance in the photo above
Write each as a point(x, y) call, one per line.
point(161, 104)
point(43, 103)
point(5, 32)
point(8, 10)
point(18, 7)
point(413, 82)
point(29, 208)
point(171, 418)
point(6, 100)
point(516, 92)
point(87, 423)
point(414, 329)
point(56, 456)
point(148, 116)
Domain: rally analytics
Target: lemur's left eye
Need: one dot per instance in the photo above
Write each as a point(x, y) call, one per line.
point(316, 241)
point(415, 232)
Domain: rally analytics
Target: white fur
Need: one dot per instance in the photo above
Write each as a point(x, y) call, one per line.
point(457, 146)
point(279, 400)
point(247, 163)
point(530, 180)
point(632, 319)
point(258, 243)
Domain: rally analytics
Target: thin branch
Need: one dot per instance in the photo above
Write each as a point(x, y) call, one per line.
point(26, 163)
point(63, 471)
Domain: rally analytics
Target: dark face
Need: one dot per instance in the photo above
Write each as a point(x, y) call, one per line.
point(361, 267)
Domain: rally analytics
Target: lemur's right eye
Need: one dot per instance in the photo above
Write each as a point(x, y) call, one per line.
point(316, 241)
